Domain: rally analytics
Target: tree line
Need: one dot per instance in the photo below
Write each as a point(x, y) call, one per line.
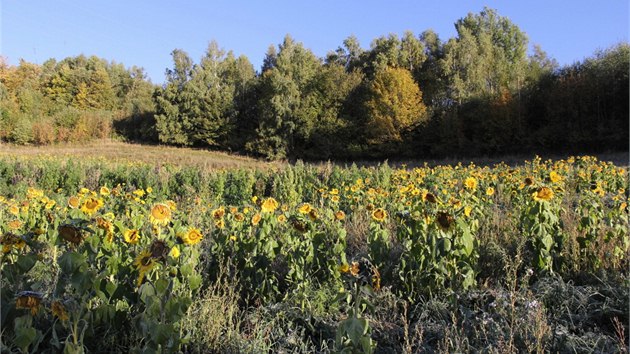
point(408, 96)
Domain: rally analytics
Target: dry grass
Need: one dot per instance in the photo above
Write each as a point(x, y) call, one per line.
point(125, 152)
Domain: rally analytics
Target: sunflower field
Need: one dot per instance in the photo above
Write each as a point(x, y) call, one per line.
point(100, 256)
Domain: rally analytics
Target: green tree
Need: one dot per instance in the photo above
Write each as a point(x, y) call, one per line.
point(285, 116)
point(199, 103)
point(173, 102)
point(330, 93)
point(488, 55)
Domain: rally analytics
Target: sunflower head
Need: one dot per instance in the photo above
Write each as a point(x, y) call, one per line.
point(269, 205)
point(74, 202)
point(160, 214)
point(58, 310)
point(304, 208)
point(91, 205)
point(131, 236)
point(543, 194)
point(256, 219)
point(379, 214)
point(71, 233)
point(144, 262)
point(470, 183)
point(159, 250)
point(29, 300)
point(218, 213)
point(430, 197)
point(191, 237)
point(445, 220)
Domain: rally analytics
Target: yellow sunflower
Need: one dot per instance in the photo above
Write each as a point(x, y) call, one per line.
point(144, 262)
point(91, 205)
point(490, 191)
point(340, 215)
point(471, 183)
point(555, 177)
point(73, 202)
point(14, 209)
point(379, 214)
point(174, 253)
point(218, 213)
point(269, 205)
point(131, 236)
point(14, 224)
point(543, 193)
point(192, 236)
point(256, 219)
point(219, 223)
point(304, 208)
point(160, 214)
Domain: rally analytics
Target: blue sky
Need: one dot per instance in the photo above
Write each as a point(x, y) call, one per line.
point(143, 33)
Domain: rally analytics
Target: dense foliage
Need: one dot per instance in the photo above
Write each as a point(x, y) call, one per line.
point(99, 256)
point(413, 95)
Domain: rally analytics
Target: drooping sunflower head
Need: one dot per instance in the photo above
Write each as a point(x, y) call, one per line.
point(10, 240)
point(58, 310)
point(313, 215)
point(429, 197)
point(299, 225)
point(445, 220)
point(160, 214)
point(28, 300)
point(71, 233)
point(159, 250)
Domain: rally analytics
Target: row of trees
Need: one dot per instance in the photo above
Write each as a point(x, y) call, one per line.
point(413, 95)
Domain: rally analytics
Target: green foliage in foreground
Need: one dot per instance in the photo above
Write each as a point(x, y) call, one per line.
point(98, 256)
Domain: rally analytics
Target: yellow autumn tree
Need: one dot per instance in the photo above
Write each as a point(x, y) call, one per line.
point(394, 105)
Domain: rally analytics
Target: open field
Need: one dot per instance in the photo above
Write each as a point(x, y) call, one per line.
point(154, 154)
point(125, 152)
point(151, 249)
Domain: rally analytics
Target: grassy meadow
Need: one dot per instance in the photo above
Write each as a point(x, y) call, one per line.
point(112, 247)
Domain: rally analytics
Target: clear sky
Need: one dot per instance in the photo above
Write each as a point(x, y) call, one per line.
point(143, 33)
